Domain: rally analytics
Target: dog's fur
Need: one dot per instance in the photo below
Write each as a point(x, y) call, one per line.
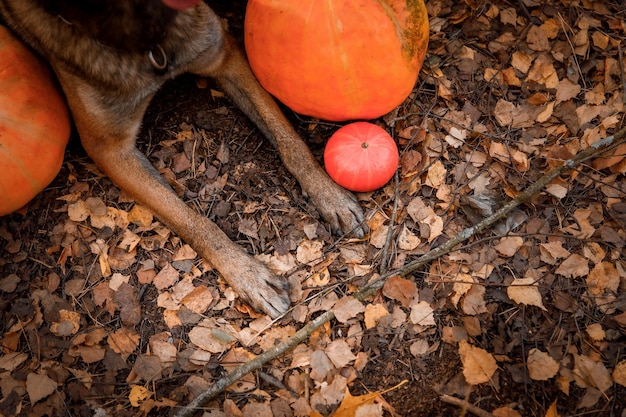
point(111, 56)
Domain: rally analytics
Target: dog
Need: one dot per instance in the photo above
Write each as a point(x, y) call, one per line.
point(111, 57)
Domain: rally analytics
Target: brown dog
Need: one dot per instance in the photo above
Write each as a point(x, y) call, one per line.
point(111, 56)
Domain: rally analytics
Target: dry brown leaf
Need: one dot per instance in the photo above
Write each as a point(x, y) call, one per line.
point(543, 72)
point(68, 324)
point(373, 313)
point(541, 366)
point(509, 155)
point(346, 308)
point(509, 246)
point(573, 267)
point(589, 373)
point(603, 279)
point(127, 297)
point(478, 364)
point(321, 365)
point(39, 386)
point(400, 289)
point(419, 347)
point(207, 339)
point(596, 332)
point(84, 377)
point(378, 237)
point(422, 313)
point(124, 341)
point(310, 252)
point(161, 345)
point(407, 240)
point(474, 300)
point(525, 291)
point(339, 353)
point(11, 361)
point(551, 252)
point(521, 61)
point(505, 412)
point(166, 277)
point(140, 216)
point(198, 300)
point(567, 90)
point(463, 283)
point(619, 373)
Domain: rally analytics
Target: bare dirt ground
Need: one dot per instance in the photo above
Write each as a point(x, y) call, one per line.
point(104, 312)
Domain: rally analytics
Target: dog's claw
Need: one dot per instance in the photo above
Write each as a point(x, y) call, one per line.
point(340, 208)
point(259, 287)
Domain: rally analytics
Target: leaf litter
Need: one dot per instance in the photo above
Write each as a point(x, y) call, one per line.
point(106, 312)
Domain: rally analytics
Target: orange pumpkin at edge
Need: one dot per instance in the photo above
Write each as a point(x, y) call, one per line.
point(337, 59)
point(34, 124)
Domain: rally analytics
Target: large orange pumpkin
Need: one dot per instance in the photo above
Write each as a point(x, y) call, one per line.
point(34, 124)
point(337, 59)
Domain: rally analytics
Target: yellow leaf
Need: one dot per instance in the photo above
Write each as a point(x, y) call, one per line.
point(138, 394)
point(552, 410)
point(350, 404)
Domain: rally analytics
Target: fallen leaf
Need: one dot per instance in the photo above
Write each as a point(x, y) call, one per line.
point(140, 216)
point(525, 291)
point(478, 364)
point(138, 394)
point(400, 289)
point(124, 341)
point(407, 240)
point(39, 386)
point(373, 313)
point(589, 373)
point(505, 412)
point(619, 373)
point(573, 267)
point(198, 300)
point(346, 308)
point(541, 366)
point(603, 279)
point(596, 332)
point(509, 246)
point(551, 252)
point(68, 324)
point(166, 277)
point(321, 365)
point(205, 338)
point(552, 412)
point(351, 405)
point(339, 353)
point(309, 252)
point(422, 313)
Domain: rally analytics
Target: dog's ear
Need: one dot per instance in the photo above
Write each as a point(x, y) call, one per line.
point(132, 25)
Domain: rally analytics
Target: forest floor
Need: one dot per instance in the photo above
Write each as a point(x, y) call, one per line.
point(105, 312)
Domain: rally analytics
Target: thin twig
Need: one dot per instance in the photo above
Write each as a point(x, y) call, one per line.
point(465, 405)
point(371, 288)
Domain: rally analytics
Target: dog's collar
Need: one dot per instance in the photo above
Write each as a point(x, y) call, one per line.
point(158, 58)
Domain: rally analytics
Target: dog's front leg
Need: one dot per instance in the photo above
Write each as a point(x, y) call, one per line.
point(338, 206)
point(108, 135)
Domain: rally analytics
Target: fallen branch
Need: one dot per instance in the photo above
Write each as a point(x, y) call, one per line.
point(371, 288)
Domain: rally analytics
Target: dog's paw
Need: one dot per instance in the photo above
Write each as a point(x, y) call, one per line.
point(340, 208)
point(259, 287)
